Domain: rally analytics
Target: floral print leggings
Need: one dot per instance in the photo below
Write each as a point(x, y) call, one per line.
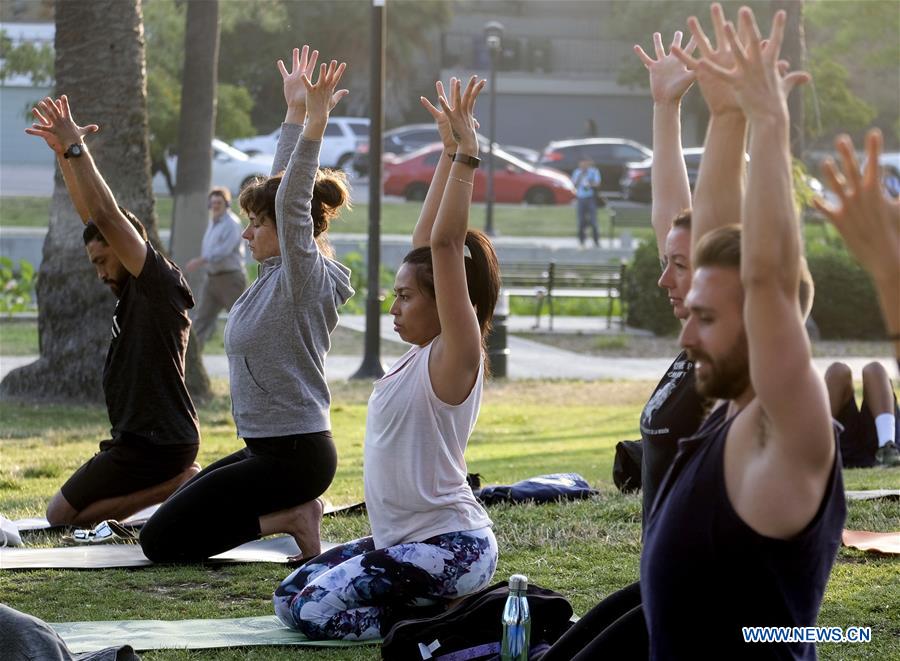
point(357, 592)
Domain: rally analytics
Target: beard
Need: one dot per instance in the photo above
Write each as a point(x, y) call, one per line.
point(725, 378)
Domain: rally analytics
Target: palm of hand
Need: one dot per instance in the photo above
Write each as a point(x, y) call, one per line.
point(669, 79)
point(719, 95)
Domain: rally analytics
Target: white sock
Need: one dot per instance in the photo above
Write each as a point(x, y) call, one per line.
point(886, 428)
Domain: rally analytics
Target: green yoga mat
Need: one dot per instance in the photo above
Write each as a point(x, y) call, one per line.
point(106, 556)
point(187, 634)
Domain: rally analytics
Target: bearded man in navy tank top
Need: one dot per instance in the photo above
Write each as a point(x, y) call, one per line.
point(747, 524)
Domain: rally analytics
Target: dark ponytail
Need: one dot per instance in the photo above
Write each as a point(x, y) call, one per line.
point(482, 275)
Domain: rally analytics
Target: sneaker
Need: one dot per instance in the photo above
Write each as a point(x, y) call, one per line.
point(888, 455)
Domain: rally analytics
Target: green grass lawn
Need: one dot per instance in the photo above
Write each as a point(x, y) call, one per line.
point(584, 550)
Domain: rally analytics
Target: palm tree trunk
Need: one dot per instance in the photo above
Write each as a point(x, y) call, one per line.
point(100, 66)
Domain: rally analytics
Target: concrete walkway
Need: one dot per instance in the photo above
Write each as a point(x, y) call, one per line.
point(527, 359)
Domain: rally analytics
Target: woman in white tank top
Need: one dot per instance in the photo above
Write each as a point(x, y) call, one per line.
point(431, 539)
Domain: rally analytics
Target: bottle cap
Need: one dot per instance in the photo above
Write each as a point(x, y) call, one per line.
point(518, 582)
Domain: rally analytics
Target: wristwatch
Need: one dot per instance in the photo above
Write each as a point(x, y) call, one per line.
point(472, 161)
point(74, 151)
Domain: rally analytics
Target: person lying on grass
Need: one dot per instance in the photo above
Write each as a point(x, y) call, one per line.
point(155, 434)
point(276, 338)
point(431, 540)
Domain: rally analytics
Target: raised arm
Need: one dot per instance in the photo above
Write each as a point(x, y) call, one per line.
point(456, 356)
point(293, 201)
point(798, 452)
point(869, 221)
point(59, 129)
point(422, 232)
point(669, 80)
point(39, 129)
point(303, 62)
point(720, 181)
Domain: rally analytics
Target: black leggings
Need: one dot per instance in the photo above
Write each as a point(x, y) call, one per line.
point(219, 508)
point(613, 629)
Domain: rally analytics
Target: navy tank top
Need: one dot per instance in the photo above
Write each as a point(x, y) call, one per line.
point(705, 573)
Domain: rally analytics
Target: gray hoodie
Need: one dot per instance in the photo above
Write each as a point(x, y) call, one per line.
point(278, 331)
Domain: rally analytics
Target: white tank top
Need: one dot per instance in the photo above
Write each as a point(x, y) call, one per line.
point(414, 469)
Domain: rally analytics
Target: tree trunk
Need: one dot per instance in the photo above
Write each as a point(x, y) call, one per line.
point(100, 66)
point(793, 50)
point(196, 126)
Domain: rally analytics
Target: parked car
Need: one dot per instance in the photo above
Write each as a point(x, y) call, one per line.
point(515, 181)
point(526, 154)
point(406, 139)
point(635, 181)
point(610, 155)
point(338, 144)
point(398, 141)
point(230, 167)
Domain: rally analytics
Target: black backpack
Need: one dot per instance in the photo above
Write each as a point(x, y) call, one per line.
point(471, 628)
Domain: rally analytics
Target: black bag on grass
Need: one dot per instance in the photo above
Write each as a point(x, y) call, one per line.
point(540, 489)
point(627, 466)
point(471, 628)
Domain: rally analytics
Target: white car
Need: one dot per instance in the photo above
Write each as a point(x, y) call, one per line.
point(338, 144)
point(231, 168)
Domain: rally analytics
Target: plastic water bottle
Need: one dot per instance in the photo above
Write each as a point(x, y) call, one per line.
point(516, 621)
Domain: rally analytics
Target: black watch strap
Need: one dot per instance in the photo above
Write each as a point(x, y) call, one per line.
point(74, 151)
point(472, 161)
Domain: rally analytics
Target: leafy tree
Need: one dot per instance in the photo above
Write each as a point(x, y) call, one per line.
point(853, 58)
point(339, 30)
point(26, 59)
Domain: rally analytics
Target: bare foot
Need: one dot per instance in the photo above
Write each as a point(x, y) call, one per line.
point(303, 523)
point(308, 530)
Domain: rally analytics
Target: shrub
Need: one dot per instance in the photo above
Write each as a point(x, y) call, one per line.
point(16, 286)
point(648, 304)
point(359, 277)
point(845, 304)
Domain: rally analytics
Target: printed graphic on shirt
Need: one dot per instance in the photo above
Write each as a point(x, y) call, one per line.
point(673, 378)
point(116, 329)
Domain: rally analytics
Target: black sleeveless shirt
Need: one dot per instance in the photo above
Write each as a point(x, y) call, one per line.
point(674, 411)
point(705, 573)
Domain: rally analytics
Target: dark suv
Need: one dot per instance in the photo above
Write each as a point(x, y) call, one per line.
point(610, 155)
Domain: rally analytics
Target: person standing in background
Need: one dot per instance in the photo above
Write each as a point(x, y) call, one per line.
point(222, 254)
point(586, 179)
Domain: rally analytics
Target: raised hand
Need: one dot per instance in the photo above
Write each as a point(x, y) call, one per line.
point(669, 77)
point(322, 97)
point(56, 125)
point(303, 63)
point(760, 87)
point(868, 219)
point(460, 115)
point(717, 93)
point(441, 119)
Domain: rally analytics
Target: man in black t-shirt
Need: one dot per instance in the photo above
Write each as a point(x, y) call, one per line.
point(155, 434)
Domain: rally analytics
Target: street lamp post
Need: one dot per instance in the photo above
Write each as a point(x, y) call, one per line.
point(371, 367)
point(493, 35)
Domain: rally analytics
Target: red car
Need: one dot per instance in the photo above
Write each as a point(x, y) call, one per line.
point(515, 181)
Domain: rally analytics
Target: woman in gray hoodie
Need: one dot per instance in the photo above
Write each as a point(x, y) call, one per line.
point(277, 337)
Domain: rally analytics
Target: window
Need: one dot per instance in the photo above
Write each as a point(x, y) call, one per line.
point(359, 129)
point(333, 129)
point(432, 158)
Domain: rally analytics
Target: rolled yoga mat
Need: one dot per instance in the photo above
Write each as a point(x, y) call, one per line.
point(107, 556)
point(188, 634)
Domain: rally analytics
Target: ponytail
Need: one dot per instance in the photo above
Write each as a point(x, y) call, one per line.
point(482, 275)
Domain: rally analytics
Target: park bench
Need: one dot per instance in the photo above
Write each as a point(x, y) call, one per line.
point(622, 220)
point(547, 280)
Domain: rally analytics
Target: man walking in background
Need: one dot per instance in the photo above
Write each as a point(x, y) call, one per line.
point(222, 254)
point(586, 179)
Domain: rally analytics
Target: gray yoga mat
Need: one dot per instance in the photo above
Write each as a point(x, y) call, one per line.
point(187, 634)
point(106, 556)
point(874, 494)
point(136, 520)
